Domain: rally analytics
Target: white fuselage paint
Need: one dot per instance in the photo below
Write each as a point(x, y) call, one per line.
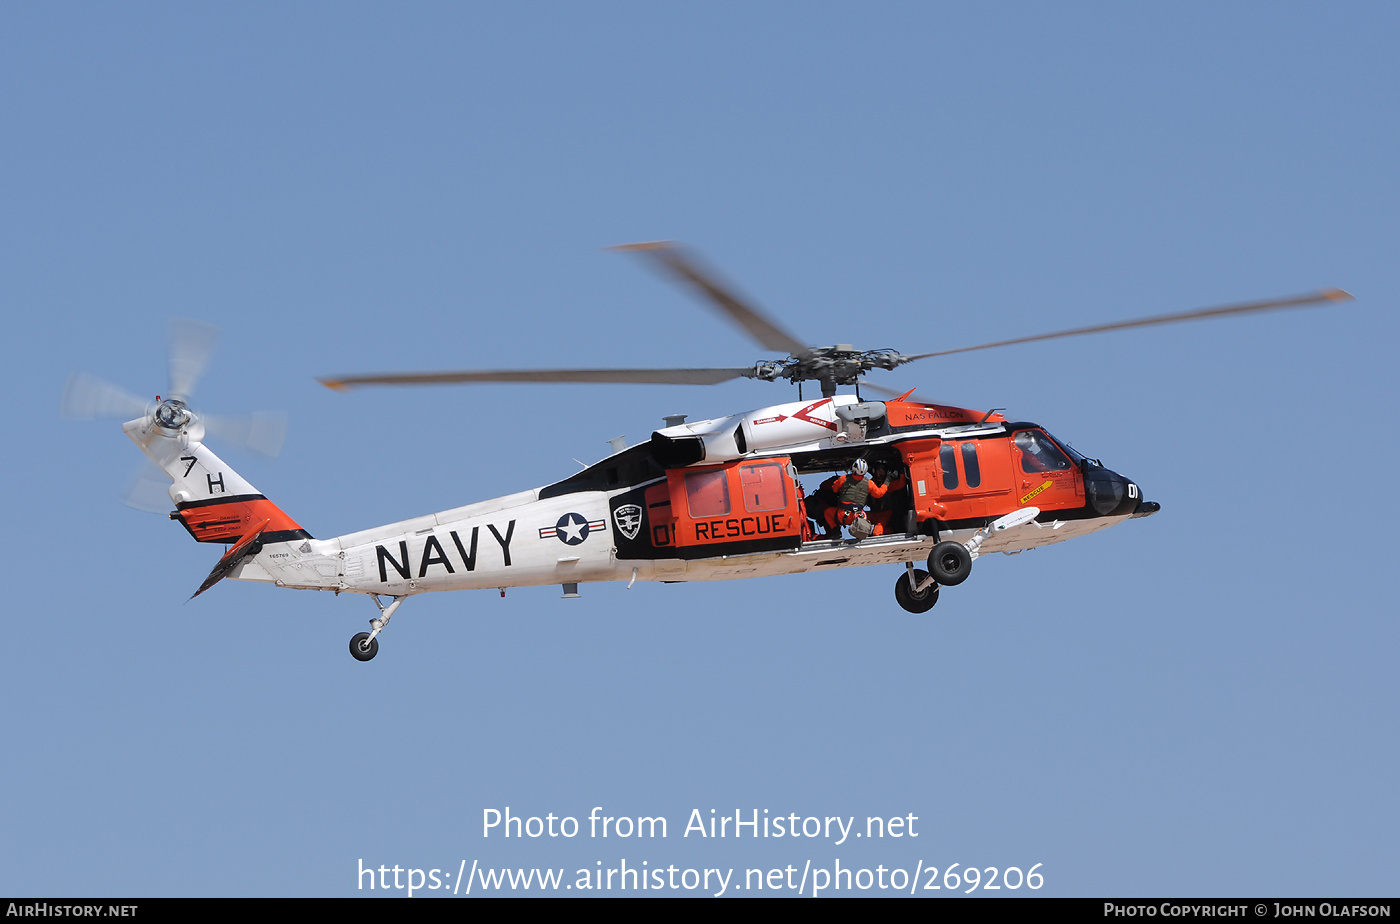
point(355, 563)
point(514, 541)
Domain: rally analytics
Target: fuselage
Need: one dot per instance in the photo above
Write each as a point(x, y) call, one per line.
point(723, 499)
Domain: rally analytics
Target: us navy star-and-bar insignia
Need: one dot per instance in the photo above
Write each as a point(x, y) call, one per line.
point(572, 528)
point(628, 518)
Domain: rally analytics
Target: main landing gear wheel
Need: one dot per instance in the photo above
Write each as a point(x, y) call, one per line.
point(362, 647)
point(912, 600)
point(950, 563)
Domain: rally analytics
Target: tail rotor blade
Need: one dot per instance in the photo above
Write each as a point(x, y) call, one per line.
point(263, 432)
point(86, 397)
point(191, 347)
point(148, 490)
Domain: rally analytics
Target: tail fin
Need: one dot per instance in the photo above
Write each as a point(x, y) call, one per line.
point(212, 501)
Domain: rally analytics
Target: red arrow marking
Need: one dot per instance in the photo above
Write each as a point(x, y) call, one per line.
point(803, 415)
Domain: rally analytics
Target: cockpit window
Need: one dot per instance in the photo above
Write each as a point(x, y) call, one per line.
point(1039, 453)
point(1074, 454)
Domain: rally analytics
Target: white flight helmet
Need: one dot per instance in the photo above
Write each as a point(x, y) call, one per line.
point(859, 468)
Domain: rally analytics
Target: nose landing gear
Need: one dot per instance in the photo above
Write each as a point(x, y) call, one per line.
point(950, 563)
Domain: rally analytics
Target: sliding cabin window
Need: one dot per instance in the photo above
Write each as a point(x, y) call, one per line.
point(948, 461)
point(971, 470)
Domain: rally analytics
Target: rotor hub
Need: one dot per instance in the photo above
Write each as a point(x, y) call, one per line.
point(841, 364)
point(173, 414)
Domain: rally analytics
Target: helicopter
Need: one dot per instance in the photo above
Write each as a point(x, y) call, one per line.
point(708, 500)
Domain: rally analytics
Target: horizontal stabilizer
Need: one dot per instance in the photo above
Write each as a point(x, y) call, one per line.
point(240, 550)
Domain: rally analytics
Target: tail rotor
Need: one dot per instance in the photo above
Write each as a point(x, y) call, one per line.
point(191, 349)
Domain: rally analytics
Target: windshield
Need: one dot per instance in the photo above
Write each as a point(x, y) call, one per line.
point(1039, 453)
point(1073, 453)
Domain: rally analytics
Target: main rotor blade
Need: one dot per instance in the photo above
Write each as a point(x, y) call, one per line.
point(760, 326)
point(1297, 301)
point(86, 397)
point(597, 376)
point(191, 346)
point(909, 396)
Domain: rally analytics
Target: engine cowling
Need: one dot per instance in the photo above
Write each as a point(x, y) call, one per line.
point(793, 424)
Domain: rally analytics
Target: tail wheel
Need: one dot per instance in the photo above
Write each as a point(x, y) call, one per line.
point(915, 601)
point(950, 563)
point(363, 648)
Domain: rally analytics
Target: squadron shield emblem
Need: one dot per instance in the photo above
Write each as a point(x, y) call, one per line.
point(628, 518)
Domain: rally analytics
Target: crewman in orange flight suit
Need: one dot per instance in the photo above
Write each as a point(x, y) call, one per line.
point(852, 491)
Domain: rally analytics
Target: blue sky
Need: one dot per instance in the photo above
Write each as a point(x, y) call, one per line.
point(1201, 703)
